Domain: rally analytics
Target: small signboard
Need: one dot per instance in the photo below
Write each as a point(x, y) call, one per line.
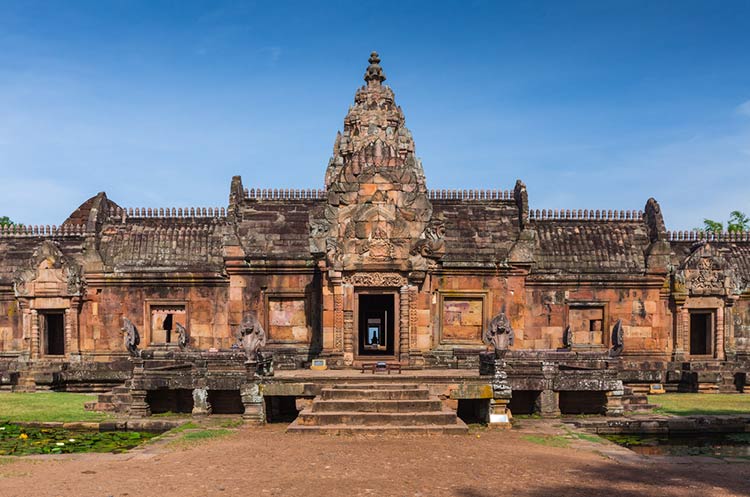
point(656, 388)
point(319, 365)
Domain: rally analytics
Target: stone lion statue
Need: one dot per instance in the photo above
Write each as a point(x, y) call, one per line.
point(499, 334)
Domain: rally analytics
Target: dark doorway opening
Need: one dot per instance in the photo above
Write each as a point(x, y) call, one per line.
point(582, 402)
point(178, 401)
point(700, 333)
point(225, 402)
point(473, 411)
point(281, 408)
point(524, 402)
point(376, 325)
point(54, 333)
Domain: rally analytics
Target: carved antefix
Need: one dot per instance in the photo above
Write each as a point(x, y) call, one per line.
point(49, 273)
point(377, 211)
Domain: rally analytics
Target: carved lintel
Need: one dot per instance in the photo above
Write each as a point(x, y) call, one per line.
point(376, 279)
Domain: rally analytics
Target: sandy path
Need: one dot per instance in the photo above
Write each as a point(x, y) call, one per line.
point(268, 462)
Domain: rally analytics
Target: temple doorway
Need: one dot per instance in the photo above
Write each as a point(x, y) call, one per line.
point(53, 326)
point(376, 325)
point(701, 336)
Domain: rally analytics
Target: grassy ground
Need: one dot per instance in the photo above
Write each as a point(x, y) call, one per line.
point(686, 404)
point(47, 406)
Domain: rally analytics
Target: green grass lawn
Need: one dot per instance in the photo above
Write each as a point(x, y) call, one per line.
point(47, 406)
point(686, 404)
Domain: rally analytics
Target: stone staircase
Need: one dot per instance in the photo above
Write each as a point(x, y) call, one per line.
point(377, 408)
point(117, 400)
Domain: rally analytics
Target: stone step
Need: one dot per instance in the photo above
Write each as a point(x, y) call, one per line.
point(309, 418)
point(99, 406)
point(639, 407)
point(457, 428)
point(379, 394)
point(120, 389)
point(376, 386)
point(368, 405)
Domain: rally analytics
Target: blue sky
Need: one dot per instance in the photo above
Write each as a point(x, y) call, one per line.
point(598, 104)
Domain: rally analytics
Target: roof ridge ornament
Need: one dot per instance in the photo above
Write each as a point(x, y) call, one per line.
point(374, 75)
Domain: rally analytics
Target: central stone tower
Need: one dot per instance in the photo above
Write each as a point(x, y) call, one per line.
point(378, 215)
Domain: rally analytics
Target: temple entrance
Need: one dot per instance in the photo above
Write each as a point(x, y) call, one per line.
point(701, 336)
point(376, 325)
point(53, 326)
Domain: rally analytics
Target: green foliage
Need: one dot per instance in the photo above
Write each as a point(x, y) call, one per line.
point(548, 440)
point(48, 406)
point(5, 221)
point(738, 222)
point(711, 226)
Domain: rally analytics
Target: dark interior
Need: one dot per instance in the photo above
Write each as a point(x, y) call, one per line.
point(54, 333)
point(376, 325)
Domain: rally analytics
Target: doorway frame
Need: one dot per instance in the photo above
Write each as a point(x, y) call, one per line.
point(396, 325)
point(712, 333)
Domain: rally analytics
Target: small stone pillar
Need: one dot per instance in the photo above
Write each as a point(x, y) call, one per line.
point(252, 399)
point(613, 405)
point(251, 394)
point(139, 408)
point(500, 415)
point(201, 406)
point(549, 404)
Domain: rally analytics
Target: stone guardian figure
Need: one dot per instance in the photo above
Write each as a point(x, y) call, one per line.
point(500, 334)
point(131, 338)
point(618, 342)
point(252, 338)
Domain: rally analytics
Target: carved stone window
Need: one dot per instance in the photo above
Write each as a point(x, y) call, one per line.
point(586, 321)
point(462, 318)
point(163, 319)
point(287, 318)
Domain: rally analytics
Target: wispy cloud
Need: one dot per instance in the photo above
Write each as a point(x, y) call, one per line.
point(744, 108)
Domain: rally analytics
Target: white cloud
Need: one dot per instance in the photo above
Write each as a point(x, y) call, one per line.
point(744, 108)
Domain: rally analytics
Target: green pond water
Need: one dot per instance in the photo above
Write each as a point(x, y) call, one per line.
point(703, 444)
point(18, 440)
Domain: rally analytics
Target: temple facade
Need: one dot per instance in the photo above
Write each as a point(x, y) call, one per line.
point(375, 267)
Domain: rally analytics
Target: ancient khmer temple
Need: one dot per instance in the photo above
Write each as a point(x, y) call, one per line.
point(468, 300)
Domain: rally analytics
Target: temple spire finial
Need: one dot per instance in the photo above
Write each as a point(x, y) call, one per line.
point(374, 74)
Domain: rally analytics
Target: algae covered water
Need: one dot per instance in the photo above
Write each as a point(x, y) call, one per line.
point(17, 440)
point(703, 444)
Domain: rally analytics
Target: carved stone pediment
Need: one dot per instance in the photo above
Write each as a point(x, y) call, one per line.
point(49, 274)
point(706, 272)
point(376, 279)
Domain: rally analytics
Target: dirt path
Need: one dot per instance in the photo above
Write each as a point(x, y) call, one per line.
point(268, 462)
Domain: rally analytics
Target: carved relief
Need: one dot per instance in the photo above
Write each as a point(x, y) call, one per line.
point(706, 272)
point(375, 279)
point(49, 273)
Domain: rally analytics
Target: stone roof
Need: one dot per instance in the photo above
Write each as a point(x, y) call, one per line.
point(477, 231)
point(591, 246)
point(160, 244)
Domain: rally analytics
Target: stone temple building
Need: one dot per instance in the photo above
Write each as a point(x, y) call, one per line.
point(373, 267)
